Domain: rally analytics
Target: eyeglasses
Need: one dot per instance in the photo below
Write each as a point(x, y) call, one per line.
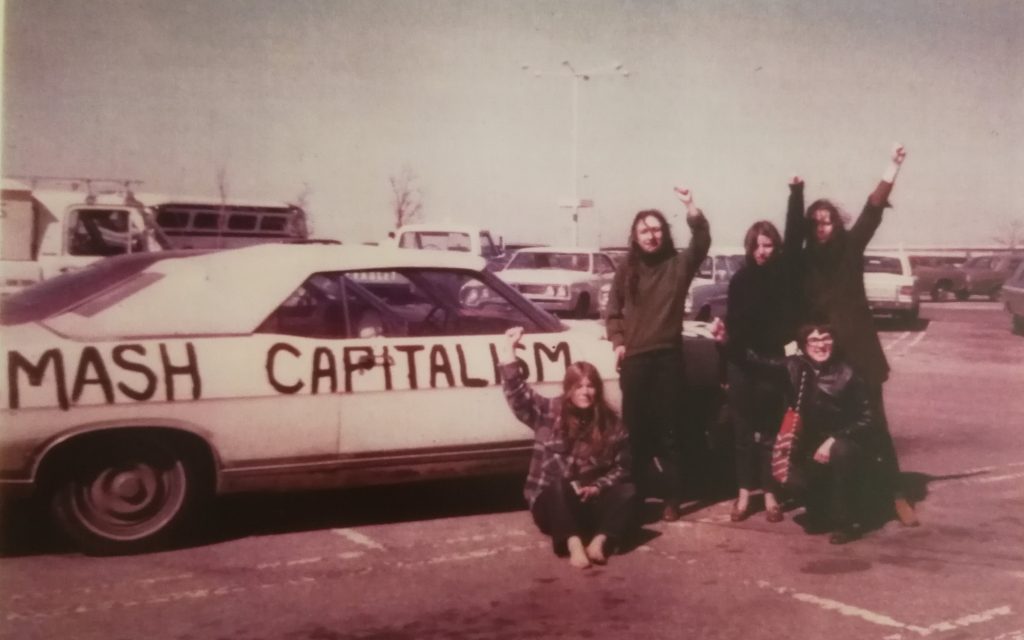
point(821, 341)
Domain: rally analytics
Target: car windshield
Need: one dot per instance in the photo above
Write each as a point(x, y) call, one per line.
point(879, 264)
point(119, 274)
point(550, 260)
point(439, 240)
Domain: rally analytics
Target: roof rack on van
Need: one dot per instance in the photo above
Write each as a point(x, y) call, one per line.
point(92, 186)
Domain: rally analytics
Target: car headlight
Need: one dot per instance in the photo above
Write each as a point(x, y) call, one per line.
point(689, 303)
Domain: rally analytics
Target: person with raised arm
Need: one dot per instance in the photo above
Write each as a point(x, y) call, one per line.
point(578, 486)
point(644, 323)
point(832, 290)
point(760, 319)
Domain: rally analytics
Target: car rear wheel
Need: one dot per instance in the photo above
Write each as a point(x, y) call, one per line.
point(1018, 324)
point(124, 494)
point(940, 292)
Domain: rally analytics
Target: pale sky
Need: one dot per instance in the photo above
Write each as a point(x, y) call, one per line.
point(727, 97)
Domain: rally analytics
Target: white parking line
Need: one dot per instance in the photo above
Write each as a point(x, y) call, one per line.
point(903, 336)
point(881, 619)
point(359, 538)
point(910, 345)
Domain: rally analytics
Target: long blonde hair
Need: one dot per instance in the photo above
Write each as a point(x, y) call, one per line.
point(604, 417)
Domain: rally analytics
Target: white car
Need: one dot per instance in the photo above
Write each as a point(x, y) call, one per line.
point(562, 279)
point(708, 296)
point(890, 286)
point(143, 383)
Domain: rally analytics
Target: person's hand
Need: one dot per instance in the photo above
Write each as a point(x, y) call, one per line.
point(685, 196)
point(796, 181)
point(620, 353)
point(588, 492)
point(718, 331)
point(899, 154)
point(513, 338)
point(824, 452)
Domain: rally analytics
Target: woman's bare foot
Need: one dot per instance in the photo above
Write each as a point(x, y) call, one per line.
point(577, 554)
point(595, 550)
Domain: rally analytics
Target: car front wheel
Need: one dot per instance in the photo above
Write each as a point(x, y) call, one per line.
point(124, 494)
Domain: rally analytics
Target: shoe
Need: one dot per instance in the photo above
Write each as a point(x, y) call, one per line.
point(774, 514)
point(738, 515)
point(905, 512)
point(670, 513)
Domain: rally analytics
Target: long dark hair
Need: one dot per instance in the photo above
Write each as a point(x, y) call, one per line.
point(636, 254)
point(834, 214)
point(604, 417)
point(766, 229)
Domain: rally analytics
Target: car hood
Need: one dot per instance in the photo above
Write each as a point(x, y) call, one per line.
point(542, 276)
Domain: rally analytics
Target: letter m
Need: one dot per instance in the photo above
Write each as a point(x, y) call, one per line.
point(36, 372)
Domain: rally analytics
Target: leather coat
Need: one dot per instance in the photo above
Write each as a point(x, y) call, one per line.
point(834, 402)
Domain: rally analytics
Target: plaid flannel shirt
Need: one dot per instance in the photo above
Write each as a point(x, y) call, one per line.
point(554, 458)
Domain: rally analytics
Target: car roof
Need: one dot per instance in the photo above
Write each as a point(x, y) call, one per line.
point(228, 292)
point(548, 249)
point(443, 227)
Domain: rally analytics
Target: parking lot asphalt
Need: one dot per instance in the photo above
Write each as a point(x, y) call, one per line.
point(461, 559)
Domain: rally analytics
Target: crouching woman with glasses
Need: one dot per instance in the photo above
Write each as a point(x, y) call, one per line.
point(838, 447)
point(578, 485)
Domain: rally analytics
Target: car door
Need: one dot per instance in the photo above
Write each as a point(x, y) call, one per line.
point(419, 382)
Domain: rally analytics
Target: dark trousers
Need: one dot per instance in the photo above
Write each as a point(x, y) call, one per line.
point(652, 408)
point(757, 402)
point(890, 466)
point(560, 513)
point(833, 491)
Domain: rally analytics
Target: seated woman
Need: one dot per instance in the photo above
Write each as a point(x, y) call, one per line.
point(578, 485)
point(837, 444)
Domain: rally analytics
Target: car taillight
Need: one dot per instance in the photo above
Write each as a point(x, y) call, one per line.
point(907, 290)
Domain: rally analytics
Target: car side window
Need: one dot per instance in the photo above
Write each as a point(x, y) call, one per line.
point(706, 268)
point(603, 264)
point(103, 232)
point(396, 303)
point(721, 269)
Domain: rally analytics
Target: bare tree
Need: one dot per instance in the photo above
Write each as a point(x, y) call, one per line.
point(301, 200)
point(408, 200)
point(1011, 234)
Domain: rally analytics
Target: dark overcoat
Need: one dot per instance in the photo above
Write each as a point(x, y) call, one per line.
point(832, 287)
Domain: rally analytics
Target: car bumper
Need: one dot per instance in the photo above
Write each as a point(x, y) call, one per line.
point(551, 304)
point(892, 306)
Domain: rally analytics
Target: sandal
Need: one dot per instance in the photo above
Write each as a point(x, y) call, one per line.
point(774, 514)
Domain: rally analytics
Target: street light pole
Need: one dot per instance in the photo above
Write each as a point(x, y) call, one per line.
point(575, 77)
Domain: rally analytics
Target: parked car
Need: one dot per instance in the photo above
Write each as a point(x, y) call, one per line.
point(141, 384)
point(939, 276)
point(709, 292)
point(986, 274)
point(1013, 299)
point(617, 254)
point(562, 279)
point(890, 288)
